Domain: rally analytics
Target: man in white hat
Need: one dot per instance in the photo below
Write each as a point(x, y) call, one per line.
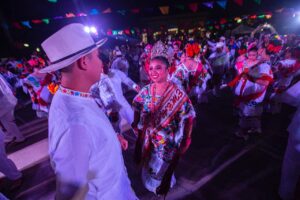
point(84, 149)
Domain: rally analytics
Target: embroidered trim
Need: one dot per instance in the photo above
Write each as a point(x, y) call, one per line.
point(75, 93)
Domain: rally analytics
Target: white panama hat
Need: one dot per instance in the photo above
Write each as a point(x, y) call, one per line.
point(68, 45)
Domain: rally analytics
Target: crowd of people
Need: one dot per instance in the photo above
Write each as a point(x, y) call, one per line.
point(82, 94)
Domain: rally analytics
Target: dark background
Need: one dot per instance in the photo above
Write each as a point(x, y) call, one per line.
point(11, 39)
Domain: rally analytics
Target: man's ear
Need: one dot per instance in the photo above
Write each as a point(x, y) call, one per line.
point(82, 63)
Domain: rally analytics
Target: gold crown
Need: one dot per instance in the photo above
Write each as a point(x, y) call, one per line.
point(159, 49)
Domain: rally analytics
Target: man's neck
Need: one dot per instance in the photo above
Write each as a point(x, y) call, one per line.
point(75, 85)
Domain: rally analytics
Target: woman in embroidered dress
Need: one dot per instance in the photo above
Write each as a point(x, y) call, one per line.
point(251, 83)
point(163, 122)
point(37, 86)
point(190, 75)
point(287, 74)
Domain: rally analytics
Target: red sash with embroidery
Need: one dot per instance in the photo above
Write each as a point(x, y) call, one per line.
point(253, 96)
point(168, 106)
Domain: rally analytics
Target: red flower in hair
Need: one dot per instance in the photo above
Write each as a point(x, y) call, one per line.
point(196, 48)
point(189, 50)
point(192, 49)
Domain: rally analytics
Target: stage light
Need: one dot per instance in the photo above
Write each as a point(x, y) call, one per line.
point(269, 16)
point(93, 29)
point(38, 49)
point(26, 45)
point(87, 29)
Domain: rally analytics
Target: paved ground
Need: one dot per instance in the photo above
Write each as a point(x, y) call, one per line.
point(218, 166)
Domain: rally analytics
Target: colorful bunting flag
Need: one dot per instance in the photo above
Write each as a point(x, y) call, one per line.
point(94, 11)
point(261, 16)
point(223, 21)
point(47, 21)
point(17, 25)
point(127, 31)
point(26, 23)
point(239, 2)
point(82, 15)
point(209, 4)
point(36, 21)
point(69, 15)
point(257, 1)
point(164, 10)
point(193, 7)
point(222, 3)
point(109, 32)
point(106, 11)
point(115, 32)
point(135, 10)
point(121, 12)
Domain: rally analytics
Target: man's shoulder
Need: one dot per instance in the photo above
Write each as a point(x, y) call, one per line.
point(64, 107)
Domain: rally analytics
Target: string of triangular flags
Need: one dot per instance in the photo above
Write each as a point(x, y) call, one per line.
point(163, 9)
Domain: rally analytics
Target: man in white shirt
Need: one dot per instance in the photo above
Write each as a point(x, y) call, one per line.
point(7, 106)
point(84, 149)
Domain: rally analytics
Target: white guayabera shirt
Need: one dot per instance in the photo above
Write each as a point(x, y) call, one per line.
point(84, 150)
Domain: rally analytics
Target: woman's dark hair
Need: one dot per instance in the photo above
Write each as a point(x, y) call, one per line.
point(253, 49)
point(162, 59)
point(105, 60)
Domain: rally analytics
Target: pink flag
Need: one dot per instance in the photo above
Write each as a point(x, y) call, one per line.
point(193, 7)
